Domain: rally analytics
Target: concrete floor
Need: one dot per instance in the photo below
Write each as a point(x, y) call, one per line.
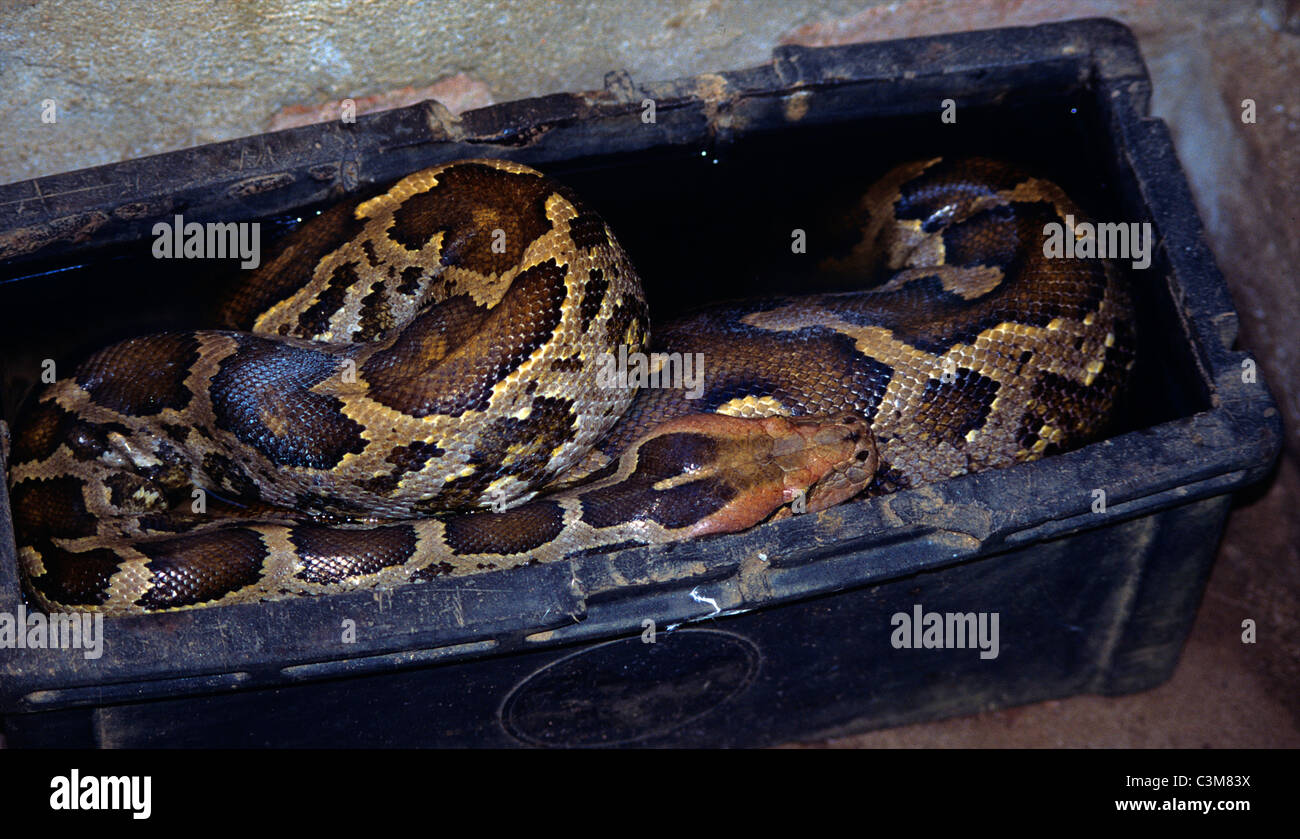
point(136, 80)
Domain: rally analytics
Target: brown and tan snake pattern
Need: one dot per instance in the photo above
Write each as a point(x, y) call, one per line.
point(402, 362)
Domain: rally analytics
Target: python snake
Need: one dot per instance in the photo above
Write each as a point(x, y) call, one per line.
point(402, 361)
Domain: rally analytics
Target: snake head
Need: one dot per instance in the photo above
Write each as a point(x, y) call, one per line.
point(737, 472)
point(826, 460)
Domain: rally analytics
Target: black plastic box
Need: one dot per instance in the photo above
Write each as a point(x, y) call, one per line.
point(780, 633)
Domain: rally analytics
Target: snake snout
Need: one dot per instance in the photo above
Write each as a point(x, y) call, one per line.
point(843, 452)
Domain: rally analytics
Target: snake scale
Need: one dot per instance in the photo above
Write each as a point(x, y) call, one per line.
point(402, 362)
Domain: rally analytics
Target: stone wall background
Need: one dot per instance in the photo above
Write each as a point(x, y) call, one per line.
point(138, 78)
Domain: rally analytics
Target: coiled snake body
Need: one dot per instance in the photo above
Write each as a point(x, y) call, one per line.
point(437, 348)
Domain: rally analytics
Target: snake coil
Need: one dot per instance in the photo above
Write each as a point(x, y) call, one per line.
point(399, 364)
